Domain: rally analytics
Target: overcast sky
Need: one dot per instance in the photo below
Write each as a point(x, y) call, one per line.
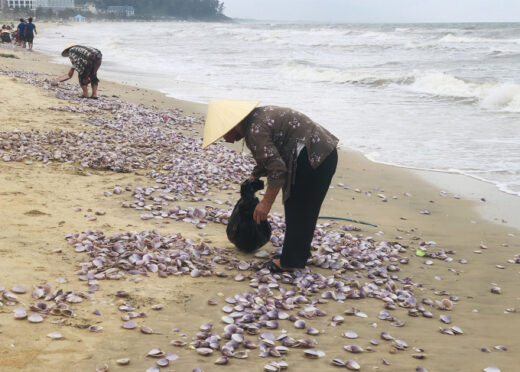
point(376, 10)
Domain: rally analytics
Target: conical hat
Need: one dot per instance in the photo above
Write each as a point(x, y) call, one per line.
point(223, 116)
point(67, 47)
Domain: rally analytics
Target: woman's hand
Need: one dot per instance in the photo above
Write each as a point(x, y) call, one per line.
point(263, 208)
point(261, 211)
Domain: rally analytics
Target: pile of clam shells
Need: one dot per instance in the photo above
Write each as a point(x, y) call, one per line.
point(355, 267)
point(48, 302)
point(126, 138)
point(111, 257)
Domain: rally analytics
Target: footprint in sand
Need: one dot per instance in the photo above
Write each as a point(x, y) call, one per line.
point(36, 213)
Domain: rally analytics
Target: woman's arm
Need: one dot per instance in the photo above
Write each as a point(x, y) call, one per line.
point(66, 76)
point(269, 163)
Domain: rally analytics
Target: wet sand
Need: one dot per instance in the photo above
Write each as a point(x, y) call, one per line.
point(38, 204)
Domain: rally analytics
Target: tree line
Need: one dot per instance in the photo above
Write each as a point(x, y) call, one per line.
point(196, 9)
point(144, 9)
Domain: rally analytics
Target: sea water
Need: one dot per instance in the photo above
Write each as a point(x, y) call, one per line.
point(429, 96)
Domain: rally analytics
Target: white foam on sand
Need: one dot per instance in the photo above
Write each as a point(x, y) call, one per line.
point(492, 204)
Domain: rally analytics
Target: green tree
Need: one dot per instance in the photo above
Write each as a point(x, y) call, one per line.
point(198, 9)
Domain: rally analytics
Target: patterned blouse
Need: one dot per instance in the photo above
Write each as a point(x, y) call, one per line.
point(273, 134)
point(81, 57)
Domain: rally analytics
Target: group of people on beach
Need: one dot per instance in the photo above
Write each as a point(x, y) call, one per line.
point(22, 36)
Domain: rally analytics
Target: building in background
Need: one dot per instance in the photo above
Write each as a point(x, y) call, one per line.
point(124, 10)
point(17, 4)
point(46, 4)
point(55, 4)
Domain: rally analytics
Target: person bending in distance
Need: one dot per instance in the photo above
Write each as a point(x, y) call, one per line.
point(86, 61)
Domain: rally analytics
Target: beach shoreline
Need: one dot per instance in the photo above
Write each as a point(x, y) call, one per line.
point(500, 206)
point(42, 199)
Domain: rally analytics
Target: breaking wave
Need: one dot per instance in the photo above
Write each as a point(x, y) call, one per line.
point(493, 96)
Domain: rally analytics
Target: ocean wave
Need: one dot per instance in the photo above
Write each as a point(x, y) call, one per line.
point(451, 38)
point(302, 70)
point(493, 96)
point(511, 187)
point(503, 96)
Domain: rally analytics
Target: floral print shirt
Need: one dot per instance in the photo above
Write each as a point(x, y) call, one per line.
point(82, 56)
point(273, 135)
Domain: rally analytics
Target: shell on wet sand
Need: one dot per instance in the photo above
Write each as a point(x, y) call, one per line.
point(35, 318)
point(352, 365)
point(314, 354)
point(123, 361)
point(55, 335)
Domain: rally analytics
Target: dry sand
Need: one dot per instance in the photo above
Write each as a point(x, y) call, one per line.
point(37, 209)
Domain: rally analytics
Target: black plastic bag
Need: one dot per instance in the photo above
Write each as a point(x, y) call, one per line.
point(242, 230)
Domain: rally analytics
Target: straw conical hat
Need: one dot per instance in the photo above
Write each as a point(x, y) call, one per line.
point(223, 116)
point(67, 47)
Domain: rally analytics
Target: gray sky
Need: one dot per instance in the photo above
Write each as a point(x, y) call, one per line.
point(377, 10)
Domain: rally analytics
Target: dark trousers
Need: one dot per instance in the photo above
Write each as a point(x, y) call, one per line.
point(303, 207)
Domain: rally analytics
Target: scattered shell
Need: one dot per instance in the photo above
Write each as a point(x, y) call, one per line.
point(130, 325)
point(95, 328)
point(313, 331)
point(102, 368)
point(352, 365)
point(457, 330)
point(271, 367)
point(123, 361)
point(205, 351)
point(353, 349)
point(35, 318)
point(222, 360)
point(241, 354)
point(146, 330)
point(386, 336)
point(55, 335)
point(163, 362)
point(314, 354)
point(18, 289)
point(155, 353)
point(20, 314)
point(338, 363)
point(350, 334)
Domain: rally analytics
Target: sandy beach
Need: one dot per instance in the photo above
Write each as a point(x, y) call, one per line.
point(41, 202)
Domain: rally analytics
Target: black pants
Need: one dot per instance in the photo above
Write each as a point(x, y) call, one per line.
point(303, 207)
